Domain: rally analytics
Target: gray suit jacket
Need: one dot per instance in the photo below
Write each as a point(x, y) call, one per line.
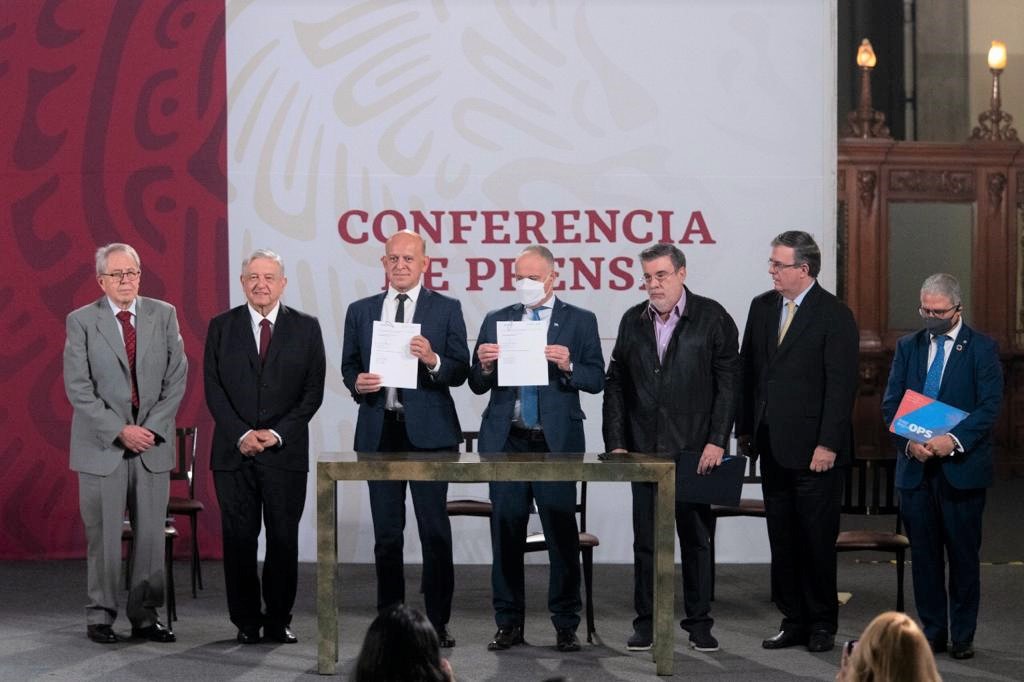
point(98, 383)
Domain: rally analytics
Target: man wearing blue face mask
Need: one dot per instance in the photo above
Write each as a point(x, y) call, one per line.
point(544, 418)
point(942, 481)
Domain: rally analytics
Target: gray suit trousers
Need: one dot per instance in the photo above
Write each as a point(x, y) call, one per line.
point(102, 501)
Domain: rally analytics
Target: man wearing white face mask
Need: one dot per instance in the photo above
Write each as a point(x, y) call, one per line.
point(537, 419)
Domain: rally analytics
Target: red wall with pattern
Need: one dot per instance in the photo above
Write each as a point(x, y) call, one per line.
point(112, 128)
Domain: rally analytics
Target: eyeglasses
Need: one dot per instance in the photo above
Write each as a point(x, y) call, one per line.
point(122, 275)
point(659, 276)
point(931, 312)
point(776, 265)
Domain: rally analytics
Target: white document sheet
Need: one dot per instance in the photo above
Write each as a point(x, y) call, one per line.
point(390, 356)
point(522, 361)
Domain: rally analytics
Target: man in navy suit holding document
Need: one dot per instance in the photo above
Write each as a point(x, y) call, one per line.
point(539, 418)
point(942, 481)
point(409, 419)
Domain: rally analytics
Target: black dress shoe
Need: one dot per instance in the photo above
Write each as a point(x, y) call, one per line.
point(445, 638)
point(280, 633)
point(566, 640)
point(961, 651)
point(938, 646)
point(785, 638)
point(102, 633)
point(157, 632)
point(249, 636)
point(639, 641)
point(821, 640)
point(506, 637)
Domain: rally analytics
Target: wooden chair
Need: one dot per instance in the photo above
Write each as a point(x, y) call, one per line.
point(535, 542)
point(748, 506)
point(870, 491)
point(170, 533)
point(186, 438)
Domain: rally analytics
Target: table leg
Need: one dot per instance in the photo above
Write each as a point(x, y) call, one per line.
point(327, 573)
point(664, 572)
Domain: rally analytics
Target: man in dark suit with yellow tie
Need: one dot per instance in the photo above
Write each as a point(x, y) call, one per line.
point(799, 356)
point(942, 481)
point(411, 419)
point(264, 374)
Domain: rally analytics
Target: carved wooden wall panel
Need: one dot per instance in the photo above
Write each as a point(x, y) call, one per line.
point(873, 173)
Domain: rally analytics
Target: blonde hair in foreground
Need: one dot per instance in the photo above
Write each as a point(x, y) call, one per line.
point(892, 648)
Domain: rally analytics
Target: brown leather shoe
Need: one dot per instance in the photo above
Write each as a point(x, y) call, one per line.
point(102, 634)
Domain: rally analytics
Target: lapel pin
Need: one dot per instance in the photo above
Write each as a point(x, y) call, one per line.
point(959, 346)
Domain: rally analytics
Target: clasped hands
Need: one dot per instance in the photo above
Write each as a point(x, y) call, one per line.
point(488, 354)
point(136, 438)
point(419, 346)
point(256, 441)
point(939, 446)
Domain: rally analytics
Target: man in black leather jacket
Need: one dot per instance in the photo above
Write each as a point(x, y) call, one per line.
point(672, 386)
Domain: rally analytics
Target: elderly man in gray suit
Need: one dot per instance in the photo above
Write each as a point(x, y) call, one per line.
point(124, 373)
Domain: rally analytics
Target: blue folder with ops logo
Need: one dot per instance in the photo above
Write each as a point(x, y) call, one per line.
point(920, 418)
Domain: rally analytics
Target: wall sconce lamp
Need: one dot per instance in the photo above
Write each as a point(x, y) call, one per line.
point(865, 122)
point(995, 124)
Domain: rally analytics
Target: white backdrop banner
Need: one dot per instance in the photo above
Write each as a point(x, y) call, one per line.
point(594, 128)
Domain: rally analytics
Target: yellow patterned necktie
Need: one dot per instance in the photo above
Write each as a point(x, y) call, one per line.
point(790, 310)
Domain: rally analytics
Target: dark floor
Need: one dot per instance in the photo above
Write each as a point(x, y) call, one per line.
point(42, 629)
point(42, 623)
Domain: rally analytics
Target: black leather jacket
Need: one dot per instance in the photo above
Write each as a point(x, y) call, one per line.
point(683, 402)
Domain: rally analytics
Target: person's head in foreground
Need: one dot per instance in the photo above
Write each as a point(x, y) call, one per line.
point(892, 648)
point(401, 646)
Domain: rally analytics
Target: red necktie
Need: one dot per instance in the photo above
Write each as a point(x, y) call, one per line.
point(264, 339)
point(129, 346)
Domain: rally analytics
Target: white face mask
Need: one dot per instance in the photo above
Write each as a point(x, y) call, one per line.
point(530, 291)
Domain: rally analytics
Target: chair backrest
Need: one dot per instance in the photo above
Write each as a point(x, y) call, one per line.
point(870, 487)
point(185, 440)
point(752, 475)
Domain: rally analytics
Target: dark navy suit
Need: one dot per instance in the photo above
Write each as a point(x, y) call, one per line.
point(942, 500)
point(561, 422)
point(429, 423)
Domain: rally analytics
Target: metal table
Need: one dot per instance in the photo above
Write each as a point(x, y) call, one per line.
point(472, 467)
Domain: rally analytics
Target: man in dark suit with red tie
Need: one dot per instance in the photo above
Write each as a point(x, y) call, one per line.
point(264, 374)
point(411, 419)
point(800, 354)
point(942, 481)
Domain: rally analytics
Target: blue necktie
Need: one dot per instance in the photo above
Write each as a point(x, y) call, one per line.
point(528, 394)
point(934, 378)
